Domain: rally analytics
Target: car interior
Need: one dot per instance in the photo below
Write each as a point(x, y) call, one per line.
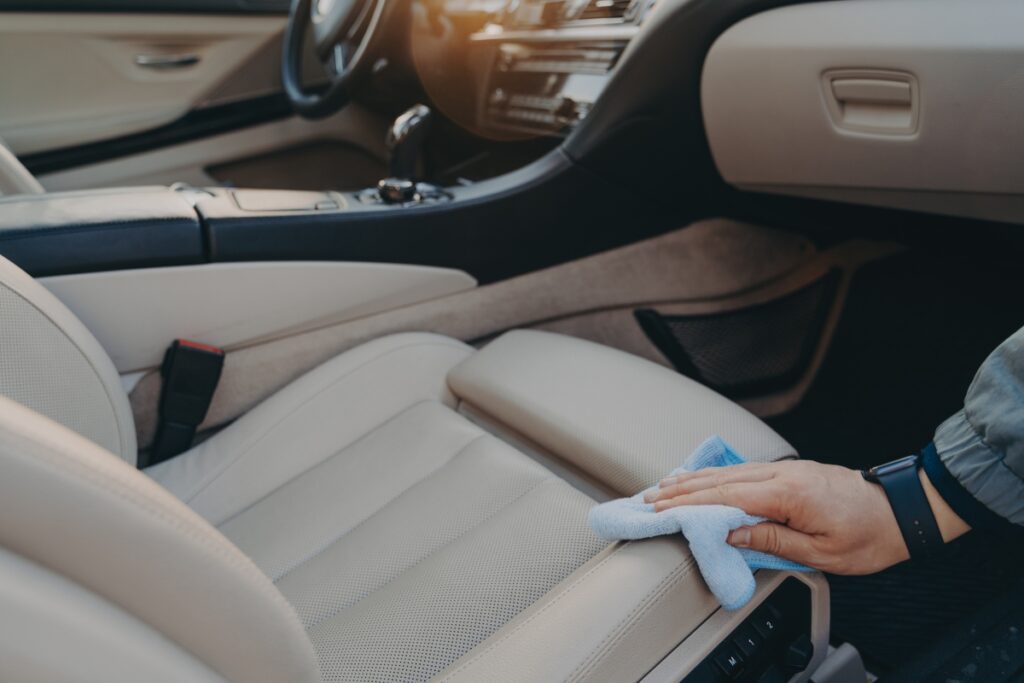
point(324, 324)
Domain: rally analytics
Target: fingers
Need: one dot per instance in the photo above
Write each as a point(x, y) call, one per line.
point(674, 487)
point(775, 539)
point(764, 498)
point(712, 471)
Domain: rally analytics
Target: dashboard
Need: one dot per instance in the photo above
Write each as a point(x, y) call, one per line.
point(553, 60)
point(540, 65)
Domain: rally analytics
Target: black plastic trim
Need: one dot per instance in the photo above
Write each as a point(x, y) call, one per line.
point(104, 247)
point(79, 232)
point(197, 124)
point(548, 213)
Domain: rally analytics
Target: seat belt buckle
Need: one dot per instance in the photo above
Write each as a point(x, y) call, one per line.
point(191, 372)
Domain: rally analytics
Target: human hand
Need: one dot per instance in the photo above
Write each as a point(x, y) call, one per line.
point(823, 516)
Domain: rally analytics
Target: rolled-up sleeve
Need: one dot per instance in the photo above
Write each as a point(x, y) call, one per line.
point(981, 447)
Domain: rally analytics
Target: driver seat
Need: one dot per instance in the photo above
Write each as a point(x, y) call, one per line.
point(412, 510)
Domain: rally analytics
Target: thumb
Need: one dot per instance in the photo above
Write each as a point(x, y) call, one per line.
point(774, 539)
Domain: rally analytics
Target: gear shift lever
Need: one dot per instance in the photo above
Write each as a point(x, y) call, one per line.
point(405, 141)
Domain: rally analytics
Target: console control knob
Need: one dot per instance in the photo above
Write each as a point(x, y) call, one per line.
point(428, 193)
point(567, 108)
point(396, 190)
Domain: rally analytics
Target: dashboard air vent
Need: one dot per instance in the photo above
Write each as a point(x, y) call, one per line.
point(607, 9)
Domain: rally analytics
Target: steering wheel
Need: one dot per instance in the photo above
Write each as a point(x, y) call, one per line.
point(343, 31)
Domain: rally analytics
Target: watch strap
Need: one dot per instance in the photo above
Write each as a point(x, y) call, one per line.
point(902, 485)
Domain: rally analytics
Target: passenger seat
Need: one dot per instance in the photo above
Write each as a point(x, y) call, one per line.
point(412, 510)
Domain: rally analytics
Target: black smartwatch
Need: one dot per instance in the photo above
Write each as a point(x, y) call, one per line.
point(902, 486)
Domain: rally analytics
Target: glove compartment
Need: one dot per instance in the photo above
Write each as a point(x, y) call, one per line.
point(896, 103)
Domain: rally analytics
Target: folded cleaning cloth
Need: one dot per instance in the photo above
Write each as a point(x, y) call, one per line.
point(727, 570)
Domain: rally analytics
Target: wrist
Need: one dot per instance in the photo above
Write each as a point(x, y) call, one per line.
point(951, 526)
point(910, 505)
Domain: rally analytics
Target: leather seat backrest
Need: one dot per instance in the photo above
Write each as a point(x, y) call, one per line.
point(51, 363)
point(128, 559)
point(14, 177)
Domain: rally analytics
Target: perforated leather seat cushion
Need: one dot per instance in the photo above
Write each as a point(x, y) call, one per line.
point(462, 534)
point(409, 535)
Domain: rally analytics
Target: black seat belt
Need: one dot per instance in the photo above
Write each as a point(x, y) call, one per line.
point(190, 373)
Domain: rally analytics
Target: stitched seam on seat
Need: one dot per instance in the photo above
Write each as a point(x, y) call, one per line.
point(362, 437)
point(521, 625)
point(600, 652)
point(372, 513)
point(245, 450)
point(547, 480)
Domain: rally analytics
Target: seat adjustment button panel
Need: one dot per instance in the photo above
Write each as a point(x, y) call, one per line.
point(747, 641)
point(730, 662)
point(766, 622)
point(769, 645)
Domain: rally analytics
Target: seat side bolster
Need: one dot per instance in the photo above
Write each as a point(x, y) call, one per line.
point(55, 630)
point(50, 339)
point(621, 419)
point(72, 508)
point(626, 608)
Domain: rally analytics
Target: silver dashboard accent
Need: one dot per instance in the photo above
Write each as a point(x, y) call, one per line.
point(169, 61)
point(558, 35)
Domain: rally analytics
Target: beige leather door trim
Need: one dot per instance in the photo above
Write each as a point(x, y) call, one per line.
point(69, 79)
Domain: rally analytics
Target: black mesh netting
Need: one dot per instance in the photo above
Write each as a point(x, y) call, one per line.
point(751, 350)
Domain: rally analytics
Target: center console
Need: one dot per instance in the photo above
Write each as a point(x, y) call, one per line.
point(550, 61)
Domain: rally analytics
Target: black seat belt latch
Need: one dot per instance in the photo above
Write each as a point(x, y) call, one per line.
point(190, 373)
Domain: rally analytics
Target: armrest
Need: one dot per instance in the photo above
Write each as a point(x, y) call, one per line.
point(75, 232)
point(623, 420)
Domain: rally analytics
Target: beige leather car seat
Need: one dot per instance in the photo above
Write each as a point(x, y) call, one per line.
point(14, 177)
point(413, 509)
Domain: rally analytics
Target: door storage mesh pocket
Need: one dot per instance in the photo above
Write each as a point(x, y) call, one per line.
point(750, 351)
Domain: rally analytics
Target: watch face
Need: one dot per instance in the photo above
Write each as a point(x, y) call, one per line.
point(895, 466)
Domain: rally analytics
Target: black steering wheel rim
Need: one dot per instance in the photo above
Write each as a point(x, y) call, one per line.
point(338, 35)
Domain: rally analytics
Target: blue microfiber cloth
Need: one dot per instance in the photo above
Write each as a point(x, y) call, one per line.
point(727, 570)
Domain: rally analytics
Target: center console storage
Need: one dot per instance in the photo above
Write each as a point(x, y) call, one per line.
point(287, 200)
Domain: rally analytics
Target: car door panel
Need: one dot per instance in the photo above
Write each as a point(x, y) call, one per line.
point(110, 75)
point(190, 6)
